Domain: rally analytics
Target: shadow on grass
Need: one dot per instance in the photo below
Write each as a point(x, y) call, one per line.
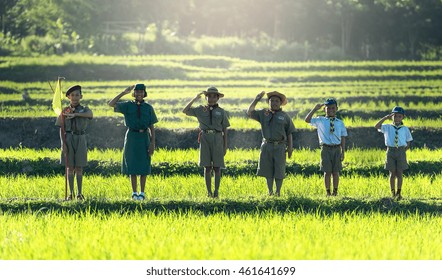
point(299, 205)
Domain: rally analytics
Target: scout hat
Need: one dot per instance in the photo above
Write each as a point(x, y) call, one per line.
point(331, 101)
point(213, 90)
point(73, 88)
point(280, 95)
point(141, 87)
point(398, 110)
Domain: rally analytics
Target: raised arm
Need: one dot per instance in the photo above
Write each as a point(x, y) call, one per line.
point(309, 116)
point(381, 121)
point(187, 108)
point(116, 98)
point(253, 104)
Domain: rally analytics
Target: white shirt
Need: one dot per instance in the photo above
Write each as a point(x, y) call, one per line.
point(389, 130)
point(325, 135)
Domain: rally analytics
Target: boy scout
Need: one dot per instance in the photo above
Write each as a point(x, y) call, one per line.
point(276, 128)
point(139, 142)
point(213, 123)
point(397, 139)
point(331, 134)
point(75, 120)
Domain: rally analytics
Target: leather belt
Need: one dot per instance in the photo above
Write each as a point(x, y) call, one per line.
point(76, 132)
point(138, 130)
point(211, 131)
point(274, 142)
point(331, 146)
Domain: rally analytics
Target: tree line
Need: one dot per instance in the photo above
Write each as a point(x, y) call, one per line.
point(301, 29)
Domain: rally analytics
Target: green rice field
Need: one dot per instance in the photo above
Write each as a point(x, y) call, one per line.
point(177, 221)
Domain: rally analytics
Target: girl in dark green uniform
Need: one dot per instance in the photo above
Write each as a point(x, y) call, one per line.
point(139, 142)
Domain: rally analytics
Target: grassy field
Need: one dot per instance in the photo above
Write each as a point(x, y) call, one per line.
point(177, 221)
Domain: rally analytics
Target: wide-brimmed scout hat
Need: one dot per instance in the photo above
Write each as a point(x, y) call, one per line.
point(213, 90)
point(73, 88)
point(398, 110)
point(280, 95)
point(330, 101)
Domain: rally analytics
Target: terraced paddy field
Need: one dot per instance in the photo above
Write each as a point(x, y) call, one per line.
point(177, 221)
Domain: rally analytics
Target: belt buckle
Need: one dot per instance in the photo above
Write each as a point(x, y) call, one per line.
point(141, 130)
point(210, 131)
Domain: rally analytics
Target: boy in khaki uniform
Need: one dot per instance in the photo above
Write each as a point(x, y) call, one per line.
point(75, 119)
point(213, 122)
point(331, 134)
point(397, 139)
point(276, 128)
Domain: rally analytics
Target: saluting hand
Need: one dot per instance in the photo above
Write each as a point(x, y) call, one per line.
point(318, 106)
point(129, 89)
point(199, 95)
point(260, 95)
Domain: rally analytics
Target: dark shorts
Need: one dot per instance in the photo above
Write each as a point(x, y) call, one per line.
point(212, 150)
point(272, 160)
point(77, 150)
point(396, 159)
point(331, 159)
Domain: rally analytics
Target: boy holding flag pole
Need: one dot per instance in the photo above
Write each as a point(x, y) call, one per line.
point(73, 121)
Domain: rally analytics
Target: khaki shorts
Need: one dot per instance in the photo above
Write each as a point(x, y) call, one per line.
point(331, 159)
point(77, 150)
point(396, 159)
point(272, 160)
point(212, 150)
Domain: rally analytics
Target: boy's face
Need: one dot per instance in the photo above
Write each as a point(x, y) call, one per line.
point(138, 94)
point(330, 110)
point(274, 103)
point(212, 98)
point(75, 97)
point(397, 118)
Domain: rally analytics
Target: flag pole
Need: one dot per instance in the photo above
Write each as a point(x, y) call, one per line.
point(63, 138)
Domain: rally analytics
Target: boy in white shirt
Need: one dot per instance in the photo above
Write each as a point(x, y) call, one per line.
point(331, 134)
point(397, 139)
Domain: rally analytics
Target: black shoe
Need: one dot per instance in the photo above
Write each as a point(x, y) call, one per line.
point(80, 197)
point(70, 197)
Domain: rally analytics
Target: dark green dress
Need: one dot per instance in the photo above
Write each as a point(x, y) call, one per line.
point(137, 118)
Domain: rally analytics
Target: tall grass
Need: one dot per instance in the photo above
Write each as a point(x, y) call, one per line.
point(239, 236)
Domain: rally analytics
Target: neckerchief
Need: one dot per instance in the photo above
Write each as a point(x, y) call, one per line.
point(332, 124)
point(72, 110)
point(139, 107)
point(396, 136)
point(211, 108)
point(273, 114)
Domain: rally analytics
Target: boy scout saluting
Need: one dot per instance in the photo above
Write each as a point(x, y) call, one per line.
point(276, 128)
point(397, 139)
point(74, 145)
point(331, 134)
point(139, 142)
point(213, 122)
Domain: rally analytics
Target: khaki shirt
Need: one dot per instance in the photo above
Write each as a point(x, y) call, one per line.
point(220, 119)
point(275, 128)
point(75, 125)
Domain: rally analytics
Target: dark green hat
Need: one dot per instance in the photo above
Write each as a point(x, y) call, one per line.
point(140, 87)
point(73, 88)
point(398, 110)
point(331, 101)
